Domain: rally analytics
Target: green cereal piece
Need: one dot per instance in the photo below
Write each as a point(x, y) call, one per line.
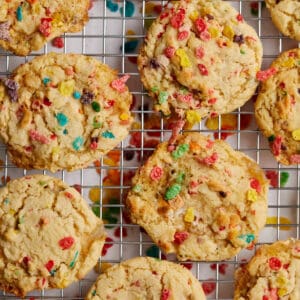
point(180, 151)
point(137, 188)
point(284, 177)
point(180, 178)
point(154, 89)
point(172, 191)
point(153, 251)
point(162, 97)
point(271, 138)
point(248, 238)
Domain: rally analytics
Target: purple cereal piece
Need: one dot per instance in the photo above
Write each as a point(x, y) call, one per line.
point(4, 31)
point(87, 97)
point(12, 89)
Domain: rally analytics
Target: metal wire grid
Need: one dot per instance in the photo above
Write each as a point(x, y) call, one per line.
point(106, 32)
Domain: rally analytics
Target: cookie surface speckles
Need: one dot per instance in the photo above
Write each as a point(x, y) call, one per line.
point(273, 273)
point(146, 278)
point(286, 16)
point(201, 201)
point(63, 111)
point(25, 26)
point(58, 237)
point(277, 108)
point(199, 58)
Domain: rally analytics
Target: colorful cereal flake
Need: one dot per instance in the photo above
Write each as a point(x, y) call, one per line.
point(274, 222)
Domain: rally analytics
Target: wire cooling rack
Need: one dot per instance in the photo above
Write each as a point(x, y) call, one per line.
point(113, 35)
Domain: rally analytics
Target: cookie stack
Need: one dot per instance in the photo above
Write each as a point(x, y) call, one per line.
point(196, 197)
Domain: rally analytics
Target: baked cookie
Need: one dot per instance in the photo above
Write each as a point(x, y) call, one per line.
point(199, 199)
point(273, 273)
point(146, 278)
point(200, 57)
point(48, 235)
point(26, 26)
point(277, 108)
point(286, 16)
point(62, 111)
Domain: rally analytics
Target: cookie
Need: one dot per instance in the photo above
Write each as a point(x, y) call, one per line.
point(200, 58)
point(273, 273)
point(286, 16)
point(146, 278)
point(63, 111)
point(58, 237)
point(277, 108)
point(199, 199)
point(26, 26)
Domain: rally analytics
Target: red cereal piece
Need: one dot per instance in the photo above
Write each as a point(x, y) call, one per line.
point(117, 232)
point(182, 35)
point(187, 265)
point(66, 242)
point(264, 75)
point(209, 144)
point(185, 98)
point(275, 263)
point(164, 15)
point(273, 177)
point(165, 294)
point(35, 136)
point(45, 26)
point(94, 145)
point(209, 160)
point(49, 265)
point(240, 18)
point(156, 173)
point(169, 52)
point(255, 184)
point(276, 145)
point(26, 260)
point(58, 42)
point(180, 237)
point(212, 101)
point(201, 26)
point(203, 70)
point(47, 102)
point(199, 52)
point(69, 195)
point(119, 84)
point(208, 287)
point(178, 18)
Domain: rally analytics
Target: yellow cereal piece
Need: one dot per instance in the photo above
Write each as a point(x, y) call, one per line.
point(212, 123)
point(194, 15)
point(288, 63)
point(136, 125)
point(109, 162)
point(193, 117)
point(281, 292)
point(12, 212)
point(36, 8)
point(282, 220)
point(252, 195)
point(130, 32)
point(11, 234)
point(124, 117)
point(281, 281)
point(57, 20)
point(228, 32)
point(55, 151)
point(66, 88)
point(296, 134)
point(184, 59)
point(94, 194)
point(189, 215)
point(214, 32)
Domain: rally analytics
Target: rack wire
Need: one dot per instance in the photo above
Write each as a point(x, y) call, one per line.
point(105, 38)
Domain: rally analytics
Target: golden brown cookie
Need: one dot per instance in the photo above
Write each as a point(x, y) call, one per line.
point(277, 108)
point(63, 111)
point(146, 278)
point(200, 57)
point(199, 199)
point(49, 237)
point(273, 273)
point(25, 26)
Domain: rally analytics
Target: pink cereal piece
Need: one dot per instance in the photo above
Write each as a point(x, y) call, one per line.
point(295, 159)
point(292, 54)
point(165, 295)
point(182, 35)
point(177, 126)
point(255, 184)
point(209, 160)
point(203, 70)
point(180, 237)
point(119, 84)
point(178, 18)
point(264, 75)
point(35, 136)
point(212, 100)
point(156, 173)
point(276, 146)
point(169, 52)
point(185, 98)
point(209, 144)
point(69, 71)
point(199, 52)
point(205, 36)
point(93, 145)
point(200, 24)
point(109, 103)
point(164, 15)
